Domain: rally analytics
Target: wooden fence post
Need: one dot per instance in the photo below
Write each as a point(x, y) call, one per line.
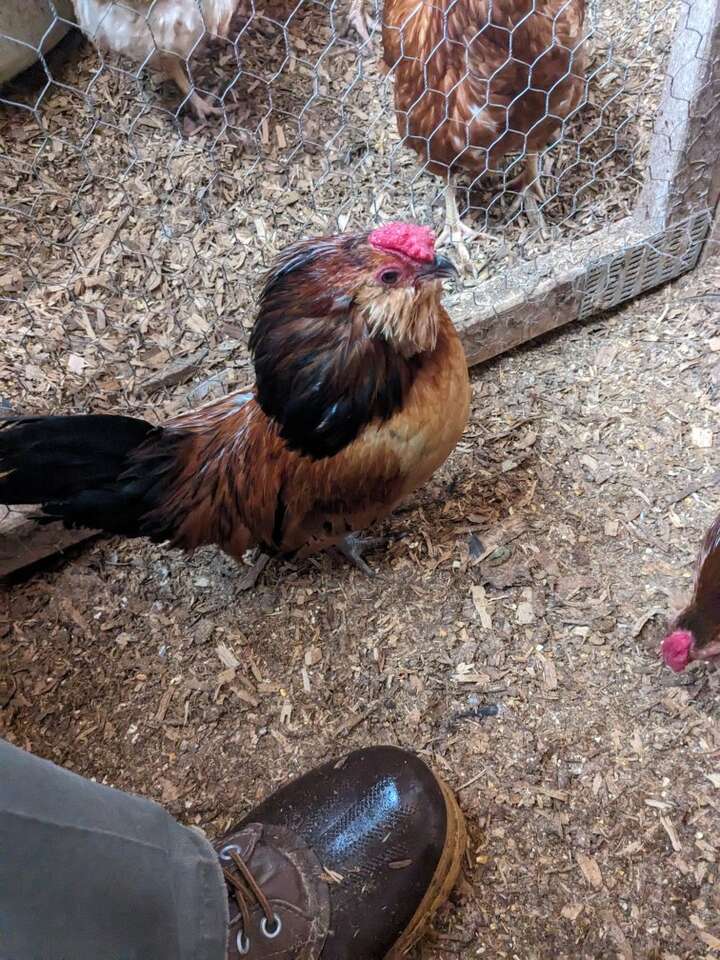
point(684, 165)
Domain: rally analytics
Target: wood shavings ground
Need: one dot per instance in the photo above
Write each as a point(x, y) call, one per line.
point(135, 247)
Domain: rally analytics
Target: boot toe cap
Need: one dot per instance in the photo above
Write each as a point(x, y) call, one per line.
point(389, 836)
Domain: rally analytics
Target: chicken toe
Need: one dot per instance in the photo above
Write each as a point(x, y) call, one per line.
point(455, 233)
point(359, 20)
point(176, 70)
point(352, 548)
point(202, 108)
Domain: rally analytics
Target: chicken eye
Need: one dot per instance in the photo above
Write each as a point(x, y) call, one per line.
point(390, 277)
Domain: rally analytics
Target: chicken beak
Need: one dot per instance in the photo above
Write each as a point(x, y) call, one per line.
point(440, 268)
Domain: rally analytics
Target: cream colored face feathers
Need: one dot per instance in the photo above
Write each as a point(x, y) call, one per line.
point(406, 316)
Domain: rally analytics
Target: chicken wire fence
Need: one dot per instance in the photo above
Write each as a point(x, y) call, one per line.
point(135, 233)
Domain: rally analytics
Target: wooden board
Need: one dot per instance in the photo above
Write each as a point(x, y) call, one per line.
point(493, 318)
point(23, 541)
point(684, 167)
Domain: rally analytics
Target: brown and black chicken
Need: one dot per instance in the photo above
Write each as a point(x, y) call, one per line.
point(361, 393)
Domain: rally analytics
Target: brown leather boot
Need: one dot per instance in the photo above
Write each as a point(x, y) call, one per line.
point(349, 862)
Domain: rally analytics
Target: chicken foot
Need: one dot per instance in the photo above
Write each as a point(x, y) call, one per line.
point(350, 547)
point(530, 191)
point(176, 70)
point(360, 20)
point(455, 232)
point(353, 547)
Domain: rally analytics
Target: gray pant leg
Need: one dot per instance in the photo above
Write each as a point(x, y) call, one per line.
point(90, 873)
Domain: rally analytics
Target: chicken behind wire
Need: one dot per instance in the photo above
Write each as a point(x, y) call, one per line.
point(696, 631)
point(476, 80)
point(361, 392)
point(157, 33)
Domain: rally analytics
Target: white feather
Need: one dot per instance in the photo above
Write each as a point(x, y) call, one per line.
point(139, 29)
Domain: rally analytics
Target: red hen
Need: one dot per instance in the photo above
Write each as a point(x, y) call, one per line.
point(476, 80)
point(696, 631)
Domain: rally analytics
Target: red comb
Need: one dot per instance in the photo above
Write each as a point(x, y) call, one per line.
point(676, 649)
point(415, 242)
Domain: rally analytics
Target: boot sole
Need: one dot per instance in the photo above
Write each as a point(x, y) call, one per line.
point(444, 879)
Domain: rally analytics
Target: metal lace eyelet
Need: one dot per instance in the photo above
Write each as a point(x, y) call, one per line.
point(268, 933)
point(225, 852)
point(243, 943)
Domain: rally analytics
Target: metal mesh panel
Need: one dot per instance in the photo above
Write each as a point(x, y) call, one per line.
point(644, 266)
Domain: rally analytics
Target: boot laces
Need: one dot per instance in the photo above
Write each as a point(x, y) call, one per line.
point(245, 891)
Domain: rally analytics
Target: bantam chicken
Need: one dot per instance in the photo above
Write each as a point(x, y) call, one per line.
point(476, 80)
point(157, 33)
point(696, 632)
point(361, 392)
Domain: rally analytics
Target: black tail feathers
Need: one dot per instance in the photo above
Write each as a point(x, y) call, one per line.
point(82, 471)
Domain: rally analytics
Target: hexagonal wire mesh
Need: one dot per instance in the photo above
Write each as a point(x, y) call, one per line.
point(135, 233)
